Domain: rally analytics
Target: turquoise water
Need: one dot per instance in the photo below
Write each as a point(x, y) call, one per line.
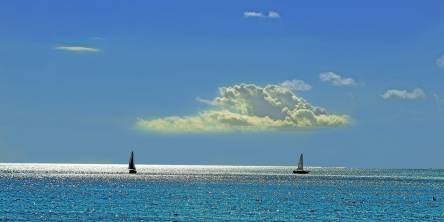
point(64, 192)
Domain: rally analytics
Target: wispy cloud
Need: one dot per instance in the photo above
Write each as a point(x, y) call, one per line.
point(206, 101)
point(440, 62)
point(77, 49)
point(296, 85)
point(249, 14)
point(404, 94)
point(248, 107)
point(255, 14)
point(336, 79)
point(273, 14)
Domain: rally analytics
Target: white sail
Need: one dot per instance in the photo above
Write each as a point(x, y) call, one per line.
point(301, 162)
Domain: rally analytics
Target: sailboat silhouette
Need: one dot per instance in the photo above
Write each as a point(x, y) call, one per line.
point(131, 165)
point(300, 169)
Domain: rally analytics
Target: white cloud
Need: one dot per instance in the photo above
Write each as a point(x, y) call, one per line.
point(77, 49)
point(336, 79)
point(404, 94)
point(249, 14)
point(273, 14)
point(296, 85)
point(254, 14)
point(248, 107)
point(440, 62)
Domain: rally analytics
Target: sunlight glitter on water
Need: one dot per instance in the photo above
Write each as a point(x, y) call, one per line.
point(205, 193)
point(49, 169)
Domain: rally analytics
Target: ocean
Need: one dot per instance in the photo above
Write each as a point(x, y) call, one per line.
point(102, 192)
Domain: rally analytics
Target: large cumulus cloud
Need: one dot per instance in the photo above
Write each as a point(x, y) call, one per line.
point(248, 107)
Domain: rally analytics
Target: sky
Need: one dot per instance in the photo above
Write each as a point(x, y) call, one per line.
point(347, 83)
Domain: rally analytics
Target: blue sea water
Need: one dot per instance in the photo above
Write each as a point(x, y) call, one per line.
point(86, 192)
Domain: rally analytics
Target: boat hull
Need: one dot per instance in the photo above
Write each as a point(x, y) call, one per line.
point(132, 171)
point(301, 171)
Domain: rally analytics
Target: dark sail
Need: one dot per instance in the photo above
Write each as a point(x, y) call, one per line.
point(300, 169)
point(131, 165)
point(301, 162)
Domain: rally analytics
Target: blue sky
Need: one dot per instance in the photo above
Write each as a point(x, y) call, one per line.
point(149, 60)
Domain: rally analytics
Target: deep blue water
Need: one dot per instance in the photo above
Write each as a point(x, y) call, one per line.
point(64, 192)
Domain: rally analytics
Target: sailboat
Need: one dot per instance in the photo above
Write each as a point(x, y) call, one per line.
point(300, 169)
point(131, 165)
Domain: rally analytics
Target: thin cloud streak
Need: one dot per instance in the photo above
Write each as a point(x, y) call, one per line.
point(249, 14)
point(254, 14)
point(77, 49)
point(205, 101)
